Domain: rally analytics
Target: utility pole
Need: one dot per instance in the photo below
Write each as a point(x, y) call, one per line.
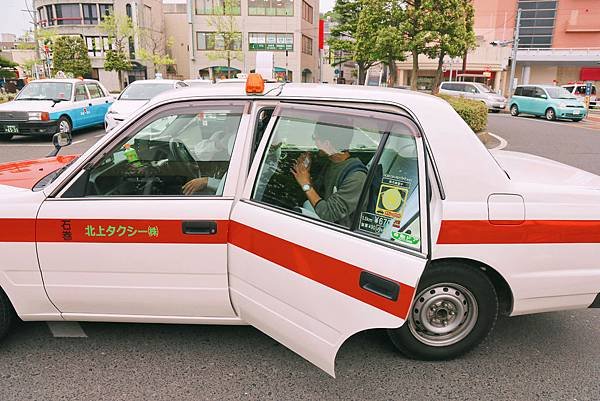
point(513, 66)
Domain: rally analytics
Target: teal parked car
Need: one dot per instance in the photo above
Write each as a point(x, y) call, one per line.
point(552, 102)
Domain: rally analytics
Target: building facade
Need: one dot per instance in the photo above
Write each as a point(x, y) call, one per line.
point(75, 17)
point(225, 37)
point(559, 40)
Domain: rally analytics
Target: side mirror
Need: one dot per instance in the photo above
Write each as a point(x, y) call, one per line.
point(544, 96)
point(60, 140)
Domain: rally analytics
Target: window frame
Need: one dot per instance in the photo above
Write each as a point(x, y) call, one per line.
point(308, 12)
point(129, 129)
point(69, 20)
point(423, 159)
point(82, 85)
point(307, 40)
point(92, 7)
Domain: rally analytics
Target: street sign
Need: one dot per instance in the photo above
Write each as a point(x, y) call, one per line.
point(487, 74)
point(588, 88)
point(336, 71)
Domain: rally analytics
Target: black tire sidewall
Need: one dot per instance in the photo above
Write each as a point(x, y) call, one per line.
point(487, 301)
point(553, 114)
point(515, 114)
point(63, 118)
point(7, 314)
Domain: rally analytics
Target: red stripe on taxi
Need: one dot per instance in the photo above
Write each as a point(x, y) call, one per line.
point(331, 272)
point(17, 230)
point(124, 231)
point(527, 232)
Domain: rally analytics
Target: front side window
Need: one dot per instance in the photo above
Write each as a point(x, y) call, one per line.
point(185, 153)
point(80, 93)
point(349, 169)
point(95, 91)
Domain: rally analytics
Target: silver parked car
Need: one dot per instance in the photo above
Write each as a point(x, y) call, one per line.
point(475, 91)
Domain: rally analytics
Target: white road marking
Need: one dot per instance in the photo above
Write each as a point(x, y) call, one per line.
point(47, 145)
point(503, 142)
point(99, 136)
point(66, 329)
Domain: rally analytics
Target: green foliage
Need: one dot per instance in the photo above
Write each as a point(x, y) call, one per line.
point(6, 97)
point(225, 26)
point(473, 112)
point(70, 55)
point(118, 28)
point(155, 45)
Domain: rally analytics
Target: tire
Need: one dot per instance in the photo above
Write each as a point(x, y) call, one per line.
point(550, 114)
point(458, 289)
point(7, 314)
point(577, 119)
point(514, 110)
point(6, 137)
point(64, 125)
point(495, 111)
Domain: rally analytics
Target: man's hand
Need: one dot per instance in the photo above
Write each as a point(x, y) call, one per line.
point(301, 169)
point(195, 185)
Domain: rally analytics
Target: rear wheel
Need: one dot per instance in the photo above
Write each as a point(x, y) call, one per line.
point(455, 308)
point(7, 314)
point(550, 114)
point(495, 111)
point(6, 137)
point(514, 110)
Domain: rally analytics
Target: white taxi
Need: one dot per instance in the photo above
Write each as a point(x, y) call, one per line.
point(311, 212)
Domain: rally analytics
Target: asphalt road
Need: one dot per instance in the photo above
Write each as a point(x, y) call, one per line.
point(551, 356)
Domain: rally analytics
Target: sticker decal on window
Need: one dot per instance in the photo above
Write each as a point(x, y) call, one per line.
point(405, 237)
point(372, 223)
point(392, 197)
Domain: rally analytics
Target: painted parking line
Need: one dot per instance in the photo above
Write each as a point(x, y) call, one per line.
point(503, 142)
point(66, 330)
point(585, 124)
point(39, 144)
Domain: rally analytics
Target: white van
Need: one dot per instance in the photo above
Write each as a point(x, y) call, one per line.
point(578, 90)
point(475, 91)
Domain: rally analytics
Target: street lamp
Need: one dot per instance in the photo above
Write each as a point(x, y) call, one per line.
point(515, 43)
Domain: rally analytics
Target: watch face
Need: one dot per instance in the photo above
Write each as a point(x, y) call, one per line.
point(306, 187)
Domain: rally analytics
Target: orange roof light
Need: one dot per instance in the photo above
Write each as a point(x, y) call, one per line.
point(255, 83)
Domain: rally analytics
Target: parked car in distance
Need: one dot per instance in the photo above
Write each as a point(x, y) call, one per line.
point(45, 107)
point(134, 96)
point(578, 90)
point(549, 101)
point(475, 91)
point(198, 82)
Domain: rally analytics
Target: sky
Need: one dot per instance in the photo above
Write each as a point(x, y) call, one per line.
point(15, 21)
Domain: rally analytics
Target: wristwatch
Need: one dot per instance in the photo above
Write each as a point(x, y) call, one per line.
point(306, 187)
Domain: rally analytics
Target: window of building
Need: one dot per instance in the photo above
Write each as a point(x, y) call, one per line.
point(128, 10)
point(105, 10)
point(182, 153)
point(537, 23)
point(68, 14)
point(148, 16)
point(271, 7)
point(211, 7)
point(374, 190)
point(94, 46)
point(131, 44)
point(307, 12)
point(307, 45)
point(214, 41)
point(50, 15)
point(41, 17)
point(270, 41)
point(90, 14)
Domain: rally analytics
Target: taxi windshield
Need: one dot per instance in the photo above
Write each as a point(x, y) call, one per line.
point(144, 91)
point(56, 91)
point(559, 93)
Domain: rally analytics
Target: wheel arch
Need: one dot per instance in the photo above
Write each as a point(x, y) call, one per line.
point(505, 295)
point(68, 117)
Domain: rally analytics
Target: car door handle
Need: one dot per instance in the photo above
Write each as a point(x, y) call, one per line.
point(199, 227)
point(89, 104)
point(379, 285)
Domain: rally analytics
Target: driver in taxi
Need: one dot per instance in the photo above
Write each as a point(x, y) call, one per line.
point(337, 191)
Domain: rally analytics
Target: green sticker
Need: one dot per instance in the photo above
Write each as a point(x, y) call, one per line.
point(406, 238)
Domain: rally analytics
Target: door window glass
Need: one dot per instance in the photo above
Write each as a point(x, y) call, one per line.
point(80, 93)
point(390, 209)
point(539, 93)
point(332, 154)
point(184, 153)
point(95, 91)
point(519, 91)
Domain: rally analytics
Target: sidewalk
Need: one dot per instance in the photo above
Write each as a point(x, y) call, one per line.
point(594, 115)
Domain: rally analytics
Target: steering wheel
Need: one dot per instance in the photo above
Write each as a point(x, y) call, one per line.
point(181, 153)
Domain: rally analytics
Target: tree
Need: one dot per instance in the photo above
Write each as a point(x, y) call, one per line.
point(154, 49)
point(378, 37)
point(227, 39)
point(120, 30)
point(452, 24)
point(344, 34)
point(70, 55)
point(7, 68)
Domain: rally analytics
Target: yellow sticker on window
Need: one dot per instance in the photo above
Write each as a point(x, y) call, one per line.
point(392, 198)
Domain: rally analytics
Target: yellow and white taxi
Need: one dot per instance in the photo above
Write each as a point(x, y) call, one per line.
point(311, 212)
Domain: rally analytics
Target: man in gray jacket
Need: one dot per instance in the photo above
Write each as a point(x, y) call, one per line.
point(336, 197)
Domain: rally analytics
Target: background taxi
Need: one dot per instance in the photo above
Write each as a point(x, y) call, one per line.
point(48, 106)
point(195, 210)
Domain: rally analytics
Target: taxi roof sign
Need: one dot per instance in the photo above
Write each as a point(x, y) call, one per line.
point(255, 83)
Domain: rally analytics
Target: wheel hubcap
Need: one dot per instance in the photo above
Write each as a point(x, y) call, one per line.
point(64, 126)
point(550, 114)
point(513, 111)
point(443, 314)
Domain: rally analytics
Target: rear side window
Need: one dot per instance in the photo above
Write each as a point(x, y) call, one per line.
point(528, 91)
point(569, 88)
point(363, 169)
point(449, 86)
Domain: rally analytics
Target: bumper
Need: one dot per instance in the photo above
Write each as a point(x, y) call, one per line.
point(112, 120)
point(28, 127)
point(497, 106)
point(596, 303)
point(570, 112)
